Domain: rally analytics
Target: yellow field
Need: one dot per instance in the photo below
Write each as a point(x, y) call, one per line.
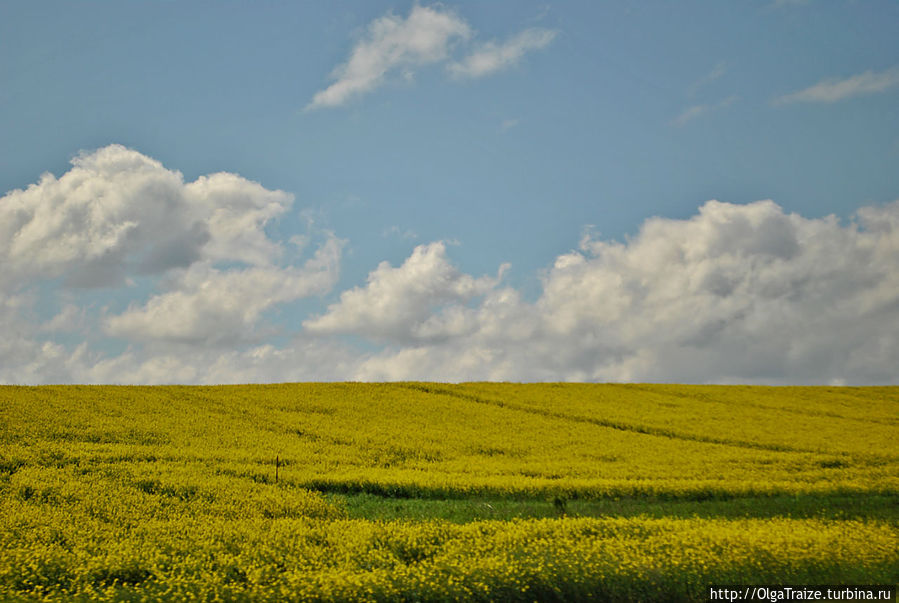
point(439, 492)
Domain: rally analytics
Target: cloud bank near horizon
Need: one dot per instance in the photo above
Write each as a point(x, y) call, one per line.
point(194, 286)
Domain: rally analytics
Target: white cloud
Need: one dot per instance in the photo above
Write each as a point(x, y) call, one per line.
point(211, 306)
point(391, 44)
point(691, 113)
point(400, 303)
point(833, 90)
point(491, 57)
point(118, 216)
point(115, 211)
point(235, 211)
point(26, 357)
point(118, 212)
point(738, 293)
point(395, 231)
point(300, 360)
point(70, 318)
point(718, 71)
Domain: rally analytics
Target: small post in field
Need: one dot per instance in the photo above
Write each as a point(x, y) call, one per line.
point(277, 464)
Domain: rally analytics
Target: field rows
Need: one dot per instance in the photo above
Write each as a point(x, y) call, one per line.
point(437, 492)
point(530, 440)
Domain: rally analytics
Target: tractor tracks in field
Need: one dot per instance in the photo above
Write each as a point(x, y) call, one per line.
point(629, 427)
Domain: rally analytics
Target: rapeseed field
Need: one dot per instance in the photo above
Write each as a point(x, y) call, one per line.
point(436, 492)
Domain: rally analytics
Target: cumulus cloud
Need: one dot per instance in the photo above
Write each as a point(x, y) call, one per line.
point(26, 354)
point(393, 43)
point(102, 219)
point(212, 306)
point(399, 303)
point(70, 318)
point(300, 360)
point(118, 216)
point(235, 211)
point(834, 89)
point(118, 212)
point(427, 36)
point(738, 293)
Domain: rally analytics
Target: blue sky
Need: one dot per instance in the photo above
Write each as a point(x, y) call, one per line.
point(535, 178)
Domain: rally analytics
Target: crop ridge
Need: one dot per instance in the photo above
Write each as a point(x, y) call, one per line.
point(630, 427)
point(767, 407)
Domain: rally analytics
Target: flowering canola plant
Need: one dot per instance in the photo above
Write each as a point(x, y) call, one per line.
point(242, 492)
